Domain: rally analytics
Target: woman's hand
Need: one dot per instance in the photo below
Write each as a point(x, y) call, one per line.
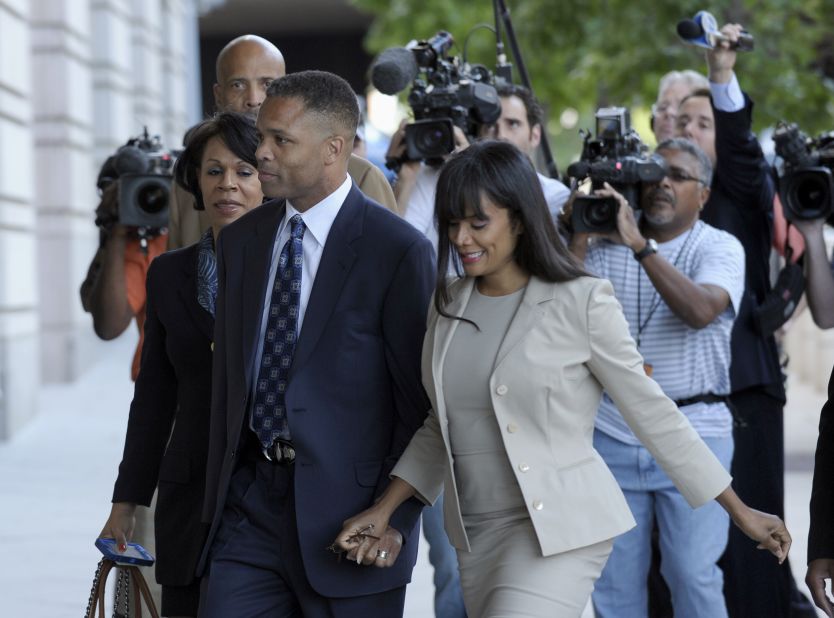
point(819, 571)
point(769, 530)
point(120, 524)
point(361, 539)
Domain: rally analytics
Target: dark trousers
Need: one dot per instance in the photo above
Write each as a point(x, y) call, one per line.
point(755, 584)
point(256, 568)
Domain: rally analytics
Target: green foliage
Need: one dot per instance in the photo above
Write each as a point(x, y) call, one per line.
point(589, 53)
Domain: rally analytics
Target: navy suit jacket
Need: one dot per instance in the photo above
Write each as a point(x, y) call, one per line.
point(167, 433)
point(821, 533)
point(354, 396)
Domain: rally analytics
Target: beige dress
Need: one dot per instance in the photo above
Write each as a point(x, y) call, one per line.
point(505, 574)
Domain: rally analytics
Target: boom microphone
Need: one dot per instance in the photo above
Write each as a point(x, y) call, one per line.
point(703, 31)
point(394, 70)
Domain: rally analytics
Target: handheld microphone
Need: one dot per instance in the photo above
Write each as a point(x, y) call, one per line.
point(394, 70)
point(703, 31)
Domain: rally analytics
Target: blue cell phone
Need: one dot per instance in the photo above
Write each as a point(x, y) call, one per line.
point(134, 554)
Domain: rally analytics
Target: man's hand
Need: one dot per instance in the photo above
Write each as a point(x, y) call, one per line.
point(722, 58)
point(361, 540)
point(120, 524)
point(627, 232)
point(819, 571)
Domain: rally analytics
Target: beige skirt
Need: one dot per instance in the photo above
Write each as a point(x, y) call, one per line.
point(505, 575)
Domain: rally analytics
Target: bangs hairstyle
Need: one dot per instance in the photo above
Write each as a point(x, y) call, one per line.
point(502, 173)
point(236, 131)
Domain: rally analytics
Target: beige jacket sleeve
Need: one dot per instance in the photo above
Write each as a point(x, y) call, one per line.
point(651, 415)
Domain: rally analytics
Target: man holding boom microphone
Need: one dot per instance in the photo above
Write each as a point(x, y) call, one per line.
point(741, 202)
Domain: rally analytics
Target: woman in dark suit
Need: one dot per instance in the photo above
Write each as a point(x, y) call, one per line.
point(167, 434)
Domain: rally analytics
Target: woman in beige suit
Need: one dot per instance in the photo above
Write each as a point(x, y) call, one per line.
point(516, 356)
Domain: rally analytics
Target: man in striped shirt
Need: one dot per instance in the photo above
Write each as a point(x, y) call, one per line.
point(680, 282)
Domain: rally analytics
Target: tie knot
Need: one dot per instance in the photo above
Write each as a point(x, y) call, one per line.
point(298, 227)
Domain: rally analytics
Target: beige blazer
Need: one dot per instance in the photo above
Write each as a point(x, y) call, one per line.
point(565, 344)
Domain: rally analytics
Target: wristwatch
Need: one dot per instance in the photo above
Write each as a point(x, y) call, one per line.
point(649, 249)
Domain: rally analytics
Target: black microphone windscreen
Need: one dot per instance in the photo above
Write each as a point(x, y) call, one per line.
point(130, 160)
point(689, 29)
point(393, 70)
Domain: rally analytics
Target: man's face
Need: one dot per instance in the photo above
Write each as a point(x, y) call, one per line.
point(292, 152)
point(674, 203)
point(665, 111)
point(243, 75)
point(513, 126)
point(697, 124)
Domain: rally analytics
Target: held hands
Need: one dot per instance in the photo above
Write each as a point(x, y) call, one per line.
point(120, 524)
point(818, 571)
point(360, 538)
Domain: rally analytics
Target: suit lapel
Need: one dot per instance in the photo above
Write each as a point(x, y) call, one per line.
point(336, 262)
point(528, 314)
point(445, 331)
point(188, 293)
point(257, 258)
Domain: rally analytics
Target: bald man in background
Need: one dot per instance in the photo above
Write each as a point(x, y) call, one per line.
point(245, 68)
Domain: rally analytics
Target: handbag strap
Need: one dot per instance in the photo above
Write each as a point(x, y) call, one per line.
point(130, 580)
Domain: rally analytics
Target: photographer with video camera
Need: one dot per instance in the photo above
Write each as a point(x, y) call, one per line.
point(806, 184)
point(131, 217)
point(680, 282)
point(741, 202)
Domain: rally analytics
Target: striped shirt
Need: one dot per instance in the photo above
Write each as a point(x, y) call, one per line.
point(685, 361)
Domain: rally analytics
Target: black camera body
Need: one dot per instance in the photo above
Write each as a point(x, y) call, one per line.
point(616, 156)
point(445, 93)
point(806, 182)
point(143, 169)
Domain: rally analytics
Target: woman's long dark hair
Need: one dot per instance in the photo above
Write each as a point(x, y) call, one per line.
point(235, 130)
point(505, 175)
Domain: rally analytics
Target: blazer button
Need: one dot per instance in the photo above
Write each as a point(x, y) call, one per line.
point(502, 389)
point(538, 505)
point(512, 428)
point(524, 467)
point(212, 346)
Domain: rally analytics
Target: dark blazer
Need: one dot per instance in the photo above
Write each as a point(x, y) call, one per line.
point(821, 534)
point(741, 203)
point(174, 384)
point(354, 397)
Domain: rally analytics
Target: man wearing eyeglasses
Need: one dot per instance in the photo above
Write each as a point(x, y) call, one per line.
point(673, 88)
point(680, 283)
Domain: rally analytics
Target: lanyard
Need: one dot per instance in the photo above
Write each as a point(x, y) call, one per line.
point(656, 299)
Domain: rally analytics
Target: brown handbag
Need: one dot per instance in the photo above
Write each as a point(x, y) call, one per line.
point(130, 586)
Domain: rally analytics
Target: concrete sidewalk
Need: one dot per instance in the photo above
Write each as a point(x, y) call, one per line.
point(56, 479)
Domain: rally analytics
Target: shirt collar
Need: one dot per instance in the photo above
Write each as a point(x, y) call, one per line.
point(319, 218)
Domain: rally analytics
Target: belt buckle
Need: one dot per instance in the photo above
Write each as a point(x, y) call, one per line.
point(280, 452)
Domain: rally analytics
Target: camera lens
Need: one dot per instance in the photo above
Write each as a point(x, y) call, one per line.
point(152, 197)
point(599, 213)
point(808, 194)
point(812, 193)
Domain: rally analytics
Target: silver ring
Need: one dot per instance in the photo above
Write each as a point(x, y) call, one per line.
point(382, 553)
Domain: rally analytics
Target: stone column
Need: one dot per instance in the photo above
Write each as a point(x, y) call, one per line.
point(19, 366)
point(65, 182)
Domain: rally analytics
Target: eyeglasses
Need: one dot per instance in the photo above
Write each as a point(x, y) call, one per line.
point(355, 539)
point(676, 175)
point(665, 108)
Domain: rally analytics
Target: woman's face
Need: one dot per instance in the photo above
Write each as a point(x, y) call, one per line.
point(485, 246)
point(229, 185)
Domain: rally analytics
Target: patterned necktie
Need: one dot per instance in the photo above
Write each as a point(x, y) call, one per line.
point(269, 414)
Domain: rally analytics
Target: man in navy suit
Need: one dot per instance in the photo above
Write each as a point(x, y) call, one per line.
point(321, 313)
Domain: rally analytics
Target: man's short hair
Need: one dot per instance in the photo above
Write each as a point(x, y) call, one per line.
point(535, 113)
point(693, 80)
point(684, 145)
point(323, 93)
point(698, 92)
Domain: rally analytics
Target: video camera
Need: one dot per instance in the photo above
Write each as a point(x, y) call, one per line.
point(806, 185)
point(445, 92)
point(143, 169)
point(618, 157)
